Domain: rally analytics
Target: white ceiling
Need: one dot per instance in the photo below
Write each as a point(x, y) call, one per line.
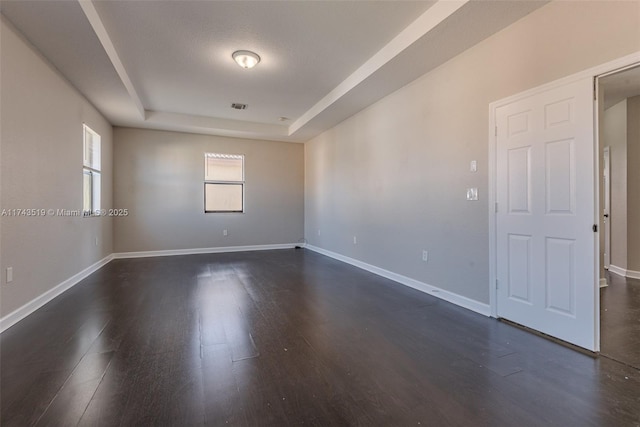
point(618, 86)
point(167, 64)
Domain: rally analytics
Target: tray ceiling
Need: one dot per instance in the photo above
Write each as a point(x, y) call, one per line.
point(167, 64)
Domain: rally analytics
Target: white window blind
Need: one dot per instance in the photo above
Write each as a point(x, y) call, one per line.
point(224, 182)
point(91, 171)
point(91, 149)
point(224, 167)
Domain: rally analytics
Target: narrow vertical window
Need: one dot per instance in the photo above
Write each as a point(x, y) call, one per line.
point(223, 182)
point(90, 172)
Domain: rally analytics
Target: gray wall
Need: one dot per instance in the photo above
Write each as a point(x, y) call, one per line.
point(41, 167)
point(159, 178)
point(633, 183)
point(395, 174)
point(614, 135)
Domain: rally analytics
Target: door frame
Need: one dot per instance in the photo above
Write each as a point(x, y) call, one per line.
point(594, 73)
point(606, 206)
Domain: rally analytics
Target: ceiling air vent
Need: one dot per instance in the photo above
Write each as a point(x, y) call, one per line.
point(237, 106)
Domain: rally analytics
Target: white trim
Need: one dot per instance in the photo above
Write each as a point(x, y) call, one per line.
point(17, 315)
point(606, 191)
point(603, 282)
point(431, 18)
point(103, 36)
point(597, 215)
point(194, 251)
point(592, 72)
point(448, 296)
point(596, 71)
point(632, 274)
point(617, 270)
point(492, 196)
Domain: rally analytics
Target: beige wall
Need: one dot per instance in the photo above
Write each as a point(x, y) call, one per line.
point(633, 183)
point(614, 135)
point(41, 167)
point(395, 174)
point(159, 178)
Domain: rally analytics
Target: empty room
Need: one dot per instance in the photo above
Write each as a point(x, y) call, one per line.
point(329, 213)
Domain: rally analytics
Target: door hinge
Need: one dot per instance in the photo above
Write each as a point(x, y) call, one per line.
point(497, 284)
point(595, 228)
point(595, 89)
point(496, 207)
point(495, 129)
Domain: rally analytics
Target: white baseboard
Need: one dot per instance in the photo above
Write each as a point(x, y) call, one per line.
point(222, 249)
point(617, 270)
point(632, 274)
point(603, 282)
point(14, 317)
point(17, 315)
point(451, 297)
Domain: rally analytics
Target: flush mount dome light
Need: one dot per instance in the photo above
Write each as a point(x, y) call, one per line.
point(246, 58)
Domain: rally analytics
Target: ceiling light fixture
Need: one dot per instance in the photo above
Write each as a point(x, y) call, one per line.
point(246, 58)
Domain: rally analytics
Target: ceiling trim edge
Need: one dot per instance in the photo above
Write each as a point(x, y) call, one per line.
point(101, 32)
point(214, 123)
point(433, 16)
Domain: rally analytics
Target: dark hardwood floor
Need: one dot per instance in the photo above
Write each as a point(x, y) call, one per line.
point(289, 338)
point(620, 319)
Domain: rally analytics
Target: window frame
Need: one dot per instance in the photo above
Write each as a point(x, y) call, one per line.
point(241, 183)
point(93, 171)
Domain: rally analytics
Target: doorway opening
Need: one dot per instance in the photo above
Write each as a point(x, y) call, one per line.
point(619, 145)
point(560, 163)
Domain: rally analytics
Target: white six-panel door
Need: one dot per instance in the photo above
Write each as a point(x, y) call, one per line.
point(545, 213)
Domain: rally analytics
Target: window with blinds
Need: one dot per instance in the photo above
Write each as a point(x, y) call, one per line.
point(223, 182)
point(90, 172)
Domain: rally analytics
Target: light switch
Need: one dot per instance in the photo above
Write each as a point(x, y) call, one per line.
point(472, 193)
point(473, 166)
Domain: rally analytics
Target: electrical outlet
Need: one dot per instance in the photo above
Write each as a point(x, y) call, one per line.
point(425, 256)
point(9, 274)
point(224, 232)
point(473, 166)
point(355, 241)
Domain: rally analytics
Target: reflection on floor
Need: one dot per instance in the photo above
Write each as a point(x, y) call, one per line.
point(283, 338)
point(620, 320)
